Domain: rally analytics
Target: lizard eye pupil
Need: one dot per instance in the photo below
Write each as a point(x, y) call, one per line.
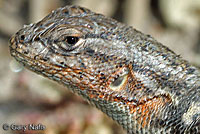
point(72, 40)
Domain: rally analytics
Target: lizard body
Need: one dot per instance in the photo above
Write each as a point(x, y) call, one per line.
point(128, 75)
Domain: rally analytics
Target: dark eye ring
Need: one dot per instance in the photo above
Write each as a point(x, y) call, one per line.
point(72, 40)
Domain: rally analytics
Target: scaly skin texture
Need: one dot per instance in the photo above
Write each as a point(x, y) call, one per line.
point(128, 75)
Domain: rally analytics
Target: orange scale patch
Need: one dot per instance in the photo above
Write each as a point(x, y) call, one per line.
point(144, 111)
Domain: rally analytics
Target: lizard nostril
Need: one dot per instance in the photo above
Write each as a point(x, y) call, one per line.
point(21, 38)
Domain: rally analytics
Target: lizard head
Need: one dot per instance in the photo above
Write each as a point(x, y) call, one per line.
point(71, 46)
point(90, 54)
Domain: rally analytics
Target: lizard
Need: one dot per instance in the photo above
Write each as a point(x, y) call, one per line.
point(130, 76)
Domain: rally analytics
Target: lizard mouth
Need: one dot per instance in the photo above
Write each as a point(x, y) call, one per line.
point(35, 62)
point(19, 52)
point(26, 61)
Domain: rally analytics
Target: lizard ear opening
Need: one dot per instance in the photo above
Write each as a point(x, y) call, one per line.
point(118, 82)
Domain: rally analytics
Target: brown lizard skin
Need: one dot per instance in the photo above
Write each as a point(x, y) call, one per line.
point(134, 79)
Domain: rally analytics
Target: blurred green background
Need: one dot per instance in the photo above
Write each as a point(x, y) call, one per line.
point(28, 98)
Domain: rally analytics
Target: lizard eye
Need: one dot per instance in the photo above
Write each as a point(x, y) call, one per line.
point(72, 40)
point(69, 43)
